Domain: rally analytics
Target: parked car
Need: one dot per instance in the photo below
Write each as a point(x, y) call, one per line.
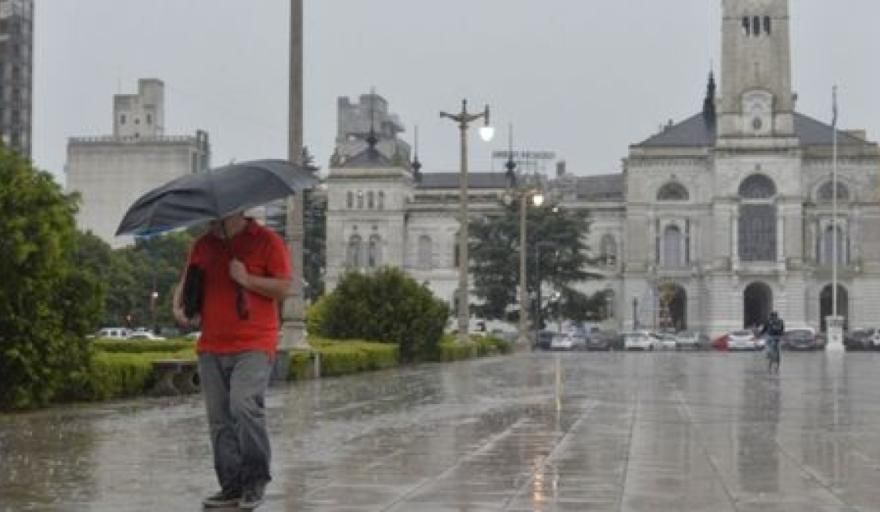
point(866, 338)
point(571, 340)
point(691, 340)
point(639, 340)
point(602, 340)
point(801, 338)
point(195, 335)
point(543, 339)
point(666, 341)
point(145, 335)
point(114, 333)
point(743, 340)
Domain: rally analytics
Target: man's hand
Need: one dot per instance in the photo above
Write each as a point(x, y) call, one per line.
point(238, 272)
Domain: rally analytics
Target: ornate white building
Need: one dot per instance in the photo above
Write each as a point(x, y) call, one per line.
point(714, 222)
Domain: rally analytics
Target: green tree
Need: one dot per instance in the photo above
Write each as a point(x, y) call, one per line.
point(386, 306)
point(495, 246)
point(48, 303)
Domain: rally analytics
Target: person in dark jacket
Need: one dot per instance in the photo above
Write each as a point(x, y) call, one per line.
point(774, 328)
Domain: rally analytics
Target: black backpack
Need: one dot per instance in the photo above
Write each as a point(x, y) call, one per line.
point(776, 327)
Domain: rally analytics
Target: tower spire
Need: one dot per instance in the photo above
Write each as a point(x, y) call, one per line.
point(416, 165)
point(709, 101)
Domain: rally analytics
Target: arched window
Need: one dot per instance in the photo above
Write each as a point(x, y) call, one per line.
point(354, 255)
point(381, 199)
point(374, 252)
point(826, 247)
point(349, 200)
point(425, 253)
point(767, 25)
point(360, 199)
point(757, 186)
point(826, 192)
point(756, 25)
point(673, 247)
point(673, 192)
point(608, 250)
point(757, 219)
point(371, 200)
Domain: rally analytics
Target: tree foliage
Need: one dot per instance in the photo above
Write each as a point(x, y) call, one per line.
point(48, 303)
point(386, 306)
point(556, 253)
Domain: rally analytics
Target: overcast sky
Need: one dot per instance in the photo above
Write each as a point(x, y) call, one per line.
point(582, 78)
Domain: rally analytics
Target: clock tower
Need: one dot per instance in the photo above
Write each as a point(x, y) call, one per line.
point(757, 99)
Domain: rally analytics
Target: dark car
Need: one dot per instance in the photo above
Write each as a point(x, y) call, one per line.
point(860, 339)
point(601, 340)
point(544, 339)
point(801, 339)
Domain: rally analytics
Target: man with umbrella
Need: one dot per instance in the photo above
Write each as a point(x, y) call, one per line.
point(235, 275)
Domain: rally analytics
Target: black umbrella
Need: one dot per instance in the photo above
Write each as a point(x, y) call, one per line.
point(213, 195)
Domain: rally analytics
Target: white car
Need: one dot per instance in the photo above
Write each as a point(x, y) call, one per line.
point(144, 335)
point(639, 340)
point(568, 341)
point(744, 340)
point(666, 341)
point(114, 333)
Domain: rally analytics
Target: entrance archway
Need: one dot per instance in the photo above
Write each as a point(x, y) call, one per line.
point(673, 307)
point(757, 304)
point(825, 305)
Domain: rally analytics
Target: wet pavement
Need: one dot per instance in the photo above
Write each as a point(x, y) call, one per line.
point(532, 432)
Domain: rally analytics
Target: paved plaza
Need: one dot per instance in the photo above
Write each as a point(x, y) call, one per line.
point(533, 432)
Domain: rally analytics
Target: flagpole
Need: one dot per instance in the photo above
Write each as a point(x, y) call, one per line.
point(835, 232)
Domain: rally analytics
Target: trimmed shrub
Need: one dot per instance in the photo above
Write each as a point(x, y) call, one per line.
point(119, 375)
point(142, 346)
point(343, 358)
point(450, 349)
point(388, 307)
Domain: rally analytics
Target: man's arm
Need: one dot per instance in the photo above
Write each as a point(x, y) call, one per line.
point(271, 287)
point(177, 301)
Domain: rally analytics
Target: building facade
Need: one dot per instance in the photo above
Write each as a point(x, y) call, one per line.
point(16, 74)
point(111, 172)
point(713, 223)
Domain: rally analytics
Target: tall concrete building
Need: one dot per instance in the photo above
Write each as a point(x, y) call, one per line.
point(110, 172)
point(16, 73)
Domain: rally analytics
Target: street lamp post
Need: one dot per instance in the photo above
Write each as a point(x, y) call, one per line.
point(464, 118)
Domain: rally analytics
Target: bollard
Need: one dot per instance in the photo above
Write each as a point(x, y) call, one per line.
point(316, 364)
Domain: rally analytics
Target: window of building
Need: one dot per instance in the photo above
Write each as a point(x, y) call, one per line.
point(456, 256)
point(149, 119)
point(360, 200)
point(381, 200)
point(825, 192)
point(122, 119)
point(374, 254)
point(371, 203)
point(137, 120)
point(425, 253)
point(608, 250)
point(756, 25)
point(672, 192)
point(826, 247)
point(767, 25)
point(349, 200)
point(747, 27)
point(673, 247)
point(354, 256)
point(757, 219)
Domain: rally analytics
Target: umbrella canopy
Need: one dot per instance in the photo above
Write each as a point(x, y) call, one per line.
point(214, 194)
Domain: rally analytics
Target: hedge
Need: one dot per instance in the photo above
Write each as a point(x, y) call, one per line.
point(450, 349)
point(343, 358)
point(142, 346)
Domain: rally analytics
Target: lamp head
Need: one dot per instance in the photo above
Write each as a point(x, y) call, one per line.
point(487, 133)
point(538, 199)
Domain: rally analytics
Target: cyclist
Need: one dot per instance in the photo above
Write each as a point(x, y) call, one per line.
point(774, 329)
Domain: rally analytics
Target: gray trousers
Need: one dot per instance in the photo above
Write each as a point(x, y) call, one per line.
point(234, 387)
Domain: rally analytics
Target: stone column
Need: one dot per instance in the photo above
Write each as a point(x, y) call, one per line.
point(734, 238)
point(780, 235)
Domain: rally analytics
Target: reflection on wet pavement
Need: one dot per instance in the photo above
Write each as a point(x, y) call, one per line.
point(538, 432)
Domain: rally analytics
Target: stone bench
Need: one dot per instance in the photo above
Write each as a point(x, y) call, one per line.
point(175, 377)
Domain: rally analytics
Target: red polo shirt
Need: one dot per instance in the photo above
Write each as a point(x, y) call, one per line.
point(263, 254)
